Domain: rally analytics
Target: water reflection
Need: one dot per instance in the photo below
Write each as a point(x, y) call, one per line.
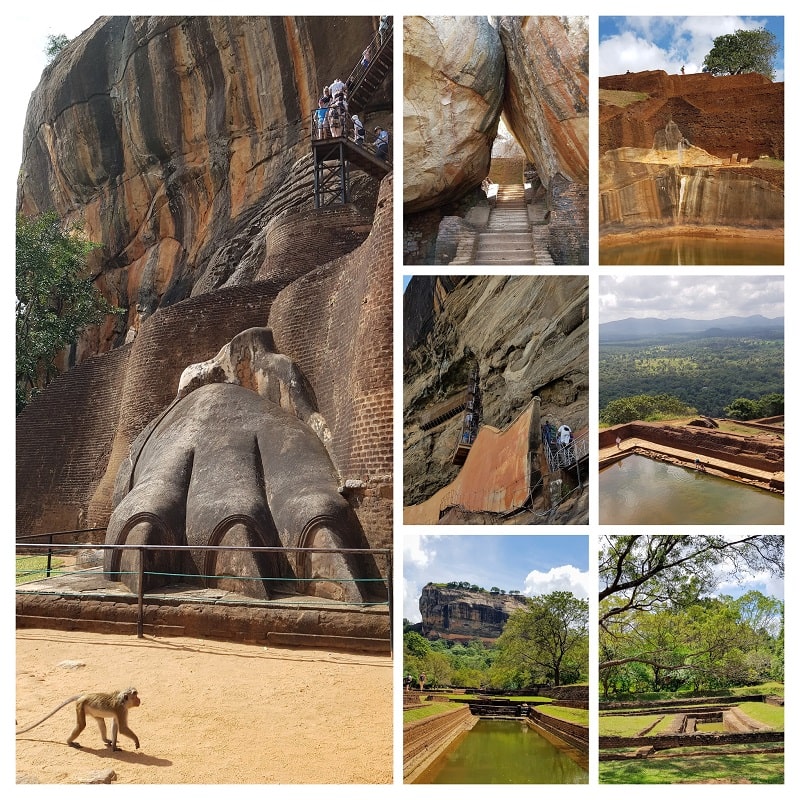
point(643, 490)
point(503, 751)
point(695, 250)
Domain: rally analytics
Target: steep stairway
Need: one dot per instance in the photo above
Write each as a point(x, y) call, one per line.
point(507, 238)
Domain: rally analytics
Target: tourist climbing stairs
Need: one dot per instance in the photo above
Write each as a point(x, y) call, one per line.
point(507, 238)
point(364, 81)
point(338, 147)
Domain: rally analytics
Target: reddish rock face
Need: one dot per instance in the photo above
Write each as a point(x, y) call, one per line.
point(547, 92)
point(174, 139)
point(722, 115)
point(454, 68)
point(463, 615)
point(725, 124)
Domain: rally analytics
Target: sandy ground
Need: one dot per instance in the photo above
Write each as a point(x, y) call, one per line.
point(211, 712)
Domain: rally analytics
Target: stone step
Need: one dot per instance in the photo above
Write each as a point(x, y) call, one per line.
point(517, 261)
point(505, 253)
point(499, 237)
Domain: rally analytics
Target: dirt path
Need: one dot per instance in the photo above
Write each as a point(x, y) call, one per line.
point(211, 712)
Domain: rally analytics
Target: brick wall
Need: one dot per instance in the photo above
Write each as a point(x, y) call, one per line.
point(64, 441)
point(167, 342)
point(569, 221)
point(576, 735)
point(683, 740)
point(744, 451)
point(337, 323)
point(419, 236)
point(425, 739)
point(306, 239)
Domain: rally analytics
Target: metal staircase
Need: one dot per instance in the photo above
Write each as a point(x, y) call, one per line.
point(336, 149)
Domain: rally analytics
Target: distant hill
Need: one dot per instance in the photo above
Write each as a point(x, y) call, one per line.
point(632, 328)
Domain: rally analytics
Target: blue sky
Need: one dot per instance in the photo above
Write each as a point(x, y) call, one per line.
point(532, 564)
point(668, 43)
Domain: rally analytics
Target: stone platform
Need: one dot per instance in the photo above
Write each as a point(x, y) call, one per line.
point(87, 601)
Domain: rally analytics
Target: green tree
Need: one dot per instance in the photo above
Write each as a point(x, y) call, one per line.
point(743, 51)
point(55, 298)
point(438, 670)
point(742, 408)
point(547, 637)
point(770, 405)
point(654, 611)
point(416, 644)
point(644, 407)
point(641, 572)
point(55, 44)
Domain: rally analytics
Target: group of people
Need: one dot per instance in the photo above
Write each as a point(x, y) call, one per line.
point(409, 681)
point(556, 439)
point(331, 120)
point(331, 114)
point(553, 437)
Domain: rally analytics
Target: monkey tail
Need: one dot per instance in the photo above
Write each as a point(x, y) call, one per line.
point(57, 708)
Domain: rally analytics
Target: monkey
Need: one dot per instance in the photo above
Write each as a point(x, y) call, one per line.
point(100, 705)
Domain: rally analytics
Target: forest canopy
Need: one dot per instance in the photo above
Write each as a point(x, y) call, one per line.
point(661, 627)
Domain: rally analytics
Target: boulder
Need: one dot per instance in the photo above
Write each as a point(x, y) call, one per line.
point(453, 79)
point(547, 92)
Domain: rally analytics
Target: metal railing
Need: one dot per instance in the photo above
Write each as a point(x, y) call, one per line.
point(563, 456)
point(332, 124)
point(372, 53)
point(52, 549)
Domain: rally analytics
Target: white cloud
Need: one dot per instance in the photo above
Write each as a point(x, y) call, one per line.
point(667, 43)
point(564, 578)
point(417, 550)
point(418, 554)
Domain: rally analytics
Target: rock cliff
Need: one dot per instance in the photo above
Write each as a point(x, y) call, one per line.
point(450, 118)
point(461, 615)
point(525, 335)
point(176, 140)
point(453, 79)
point(690, 150)
point(199, 189)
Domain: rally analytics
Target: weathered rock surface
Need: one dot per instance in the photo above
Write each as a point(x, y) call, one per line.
point(176, 139)
point(722, 115)
point(453, 78)
point(236, 244)
point(547, 92)
point(464, 615)
point(684, 150)
point(545, 106)
point(527, 335)
point(641, 189)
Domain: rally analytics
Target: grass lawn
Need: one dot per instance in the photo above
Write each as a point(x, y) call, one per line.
point(756, 768)
point(625, 725)
point(768, 163)
point(428, 710)
point(619, 98)
point(580, 716)
point(32, 568)
point(763, 712)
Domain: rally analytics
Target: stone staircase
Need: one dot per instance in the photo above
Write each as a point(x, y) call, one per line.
point(515, 233)
point(507, 237)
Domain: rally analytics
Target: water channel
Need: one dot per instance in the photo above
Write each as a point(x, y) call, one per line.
point(639, 490)
point(503, 751)
point(694, 250)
